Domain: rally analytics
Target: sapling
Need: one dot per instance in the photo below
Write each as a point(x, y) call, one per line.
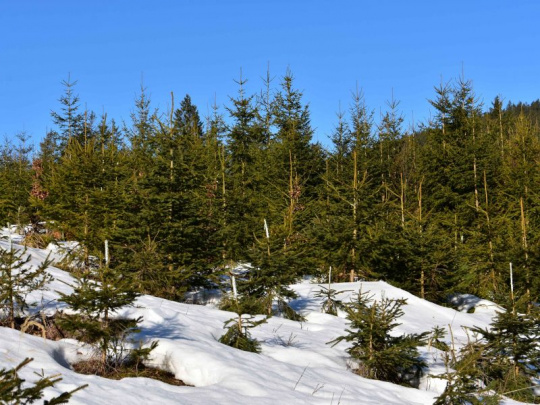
point(330, 303)
point(18, 279)
point(12, 390)
point(381, 355)
point(97, 295)
point(237, 334)
point(503, 360)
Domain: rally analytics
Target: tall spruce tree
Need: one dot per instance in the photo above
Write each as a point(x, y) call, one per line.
point(15, 181)
point(71, 122)
point(85, 189)
point(293, 168)
point(343, 214)
point(245, 141)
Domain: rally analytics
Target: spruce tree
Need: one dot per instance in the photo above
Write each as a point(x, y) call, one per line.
point(510, 357)
point(292, 171)
point(15, 181)
point(274, 259)
point(85, 190)
point(169, 227)
point(18, 279)
point(380, 354)
point(72, 124)
point(137, 235)
point(457, 153)
point(349, 182)
point(12, 390)
point(238, 334)
point(97, 295)
point(245, 141)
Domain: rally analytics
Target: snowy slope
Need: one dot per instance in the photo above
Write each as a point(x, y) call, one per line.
point(296, 365)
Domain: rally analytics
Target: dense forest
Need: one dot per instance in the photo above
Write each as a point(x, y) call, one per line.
point(182, 199)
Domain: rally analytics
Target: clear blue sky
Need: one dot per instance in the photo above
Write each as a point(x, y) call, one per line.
point(198, 47)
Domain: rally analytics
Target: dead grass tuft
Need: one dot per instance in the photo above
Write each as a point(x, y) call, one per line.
point(95, 367)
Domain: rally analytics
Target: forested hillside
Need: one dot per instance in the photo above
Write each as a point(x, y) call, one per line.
point(443, 207)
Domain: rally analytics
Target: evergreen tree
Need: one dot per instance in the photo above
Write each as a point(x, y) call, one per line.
point(170, 229)
point(238, 334)
point(12, 391)
point(510, 355)
point(273, 262)
point(137, 235)
point(245, 141)
point(84, 191)
point(186, 119)
point(345, 204)
point(295, 154)
point(518, 200)
point(382, 355)
point(388, 142)
point(460, 167)
point(15, 181)
point(293, 170)
point(331, 303)
point(463, 380)
point(96, 297)
point(70, 121)
point(18, 279)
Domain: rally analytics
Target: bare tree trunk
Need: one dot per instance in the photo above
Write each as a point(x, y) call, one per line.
point(221, 153)
point(501, 132)
point(171, 171)
point(402, 201)
point(422, 270)
point(289, 219)
point(525, 245)
point(171, 154)
point(355, 214)
point(490, 241)
point(476, 201)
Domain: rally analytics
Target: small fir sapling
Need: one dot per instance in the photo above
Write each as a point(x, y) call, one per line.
point(18, 279)
point(380, 355)
point(510, 355)
point(436, 339)
point(13, 392)
point(502, 360)
point(237, 334)
point(463, 379)
point(272, 273)
point(96, 297)
point(330, 303)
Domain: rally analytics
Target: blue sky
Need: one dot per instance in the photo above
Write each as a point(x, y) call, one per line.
point(199, 47)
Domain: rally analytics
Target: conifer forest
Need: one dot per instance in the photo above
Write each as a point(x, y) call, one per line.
point(443, 207)
point(173, 204)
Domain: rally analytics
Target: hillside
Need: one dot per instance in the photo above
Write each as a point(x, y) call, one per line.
point(296, 365)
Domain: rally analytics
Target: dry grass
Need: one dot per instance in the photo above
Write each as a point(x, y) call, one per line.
point(95, 367)
point(39, 240)
point(37, 325)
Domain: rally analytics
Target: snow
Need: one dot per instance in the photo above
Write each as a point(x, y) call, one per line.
point(296, 365)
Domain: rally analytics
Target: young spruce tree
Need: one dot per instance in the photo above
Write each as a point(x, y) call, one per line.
point(381, 355)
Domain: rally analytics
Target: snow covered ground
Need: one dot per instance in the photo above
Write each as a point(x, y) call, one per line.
point(296, 365)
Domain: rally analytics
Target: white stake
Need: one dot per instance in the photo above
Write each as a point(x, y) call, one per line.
point(106, 252)
point(9, 236)
point(266, 229)
point(511, 281)
point(329, 277)
point(233, 282)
